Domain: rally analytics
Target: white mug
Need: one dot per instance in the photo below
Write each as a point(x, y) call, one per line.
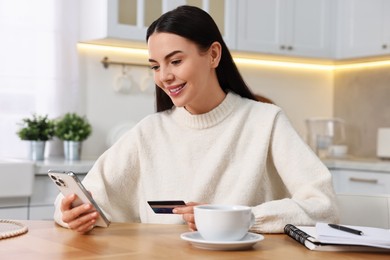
point(223, 222)
point(338, 150)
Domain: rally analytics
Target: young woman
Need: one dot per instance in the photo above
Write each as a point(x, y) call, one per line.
point(209, 142)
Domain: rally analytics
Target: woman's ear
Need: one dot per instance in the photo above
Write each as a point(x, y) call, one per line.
point(215, 54)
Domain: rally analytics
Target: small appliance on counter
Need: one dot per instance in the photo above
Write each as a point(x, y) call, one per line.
point(383, 143)
point(326, 136)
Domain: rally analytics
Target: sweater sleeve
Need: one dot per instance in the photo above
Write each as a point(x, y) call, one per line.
point(306, 179)
point(113, 180)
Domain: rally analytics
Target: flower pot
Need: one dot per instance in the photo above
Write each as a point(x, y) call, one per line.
point(37, 150)
point(72, 150)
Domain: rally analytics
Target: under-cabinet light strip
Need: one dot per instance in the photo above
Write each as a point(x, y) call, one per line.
point(361, 65)
point(283, 64)
point(247, 61)
point(98, 47)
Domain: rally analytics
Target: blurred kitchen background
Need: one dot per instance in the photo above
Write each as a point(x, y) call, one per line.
point(47, 66)
point(313, 58)
point(51, 63)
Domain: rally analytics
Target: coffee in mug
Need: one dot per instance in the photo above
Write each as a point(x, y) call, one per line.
point(223, 222)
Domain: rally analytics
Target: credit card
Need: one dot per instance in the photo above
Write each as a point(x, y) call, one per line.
point(165, 206)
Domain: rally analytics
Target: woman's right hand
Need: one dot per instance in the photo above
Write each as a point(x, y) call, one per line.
point(80, 218)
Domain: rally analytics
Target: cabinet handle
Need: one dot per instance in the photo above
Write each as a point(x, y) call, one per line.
point(384, 46)
point(373, 181)
point(290, 48)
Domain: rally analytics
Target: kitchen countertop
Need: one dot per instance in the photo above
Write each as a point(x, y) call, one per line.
point(356, 163)
point(346, 163)
point(42, 167)
point(81, 166)
point(85, 164)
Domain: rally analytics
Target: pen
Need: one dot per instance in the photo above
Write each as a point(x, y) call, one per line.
point(346, 229)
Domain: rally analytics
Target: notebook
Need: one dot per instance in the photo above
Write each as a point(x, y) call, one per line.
point(324, 238)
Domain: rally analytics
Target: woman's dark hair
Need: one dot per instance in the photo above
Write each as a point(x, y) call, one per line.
point(197, 26)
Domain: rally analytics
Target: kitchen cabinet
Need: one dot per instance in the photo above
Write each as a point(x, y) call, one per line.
point(361, 182)
point(14, 208)
point(286, 27)
point(363, 28)
point(124, 22)
point(298, 28)
point(40, 204)
point(14, 213)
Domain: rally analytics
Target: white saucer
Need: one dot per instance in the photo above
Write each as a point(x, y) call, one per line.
point(245, 243)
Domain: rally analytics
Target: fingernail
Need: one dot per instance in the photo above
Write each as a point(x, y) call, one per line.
point(174, 211)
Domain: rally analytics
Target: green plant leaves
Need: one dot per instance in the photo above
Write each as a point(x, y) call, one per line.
point(72, 127)
point(37, 128)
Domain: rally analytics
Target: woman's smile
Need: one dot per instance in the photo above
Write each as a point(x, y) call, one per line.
point(176, 90)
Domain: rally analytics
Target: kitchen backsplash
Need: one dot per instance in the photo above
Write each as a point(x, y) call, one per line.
point(362, 98)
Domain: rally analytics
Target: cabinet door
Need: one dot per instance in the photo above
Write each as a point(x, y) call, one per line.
point(14, 208)
point(361, 182)
point(123, 22)
point(41, 213)
point(363, 28)
point(14, 213)
point(308, 28)
point(44, 193)
point(224, 13)
point(129, 19)
point(259, 27)
point(287, 27)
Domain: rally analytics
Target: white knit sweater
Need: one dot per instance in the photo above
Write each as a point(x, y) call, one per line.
point(241, 152)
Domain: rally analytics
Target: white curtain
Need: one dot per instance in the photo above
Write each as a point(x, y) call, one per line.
point(38, 66)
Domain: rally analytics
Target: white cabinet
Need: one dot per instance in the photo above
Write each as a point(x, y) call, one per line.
point(303, 28)
point(37, 207)
point(41, 205)
point(41, 212)
point(39, 202)
point(363, 28)
point(124, 22)
point(14, 213)
point(361, 182)
point(14, 208)
point(287, 27)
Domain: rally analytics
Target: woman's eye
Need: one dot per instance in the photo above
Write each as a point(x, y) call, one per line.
point(176, 62)
point(155, 67)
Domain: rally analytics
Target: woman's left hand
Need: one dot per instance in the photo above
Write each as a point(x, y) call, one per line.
point(188, 214)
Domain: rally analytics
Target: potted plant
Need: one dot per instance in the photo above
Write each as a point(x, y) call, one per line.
point(73, 129)
point(37, 129)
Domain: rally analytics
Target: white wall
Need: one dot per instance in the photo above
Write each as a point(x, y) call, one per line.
point(105, 108)
point(302, 93)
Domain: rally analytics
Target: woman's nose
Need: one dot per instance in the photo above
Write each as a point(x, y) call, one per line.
point(165, 75)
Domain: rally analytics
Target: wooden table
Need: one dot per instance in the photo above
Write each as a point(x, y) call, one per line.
point(46, 240)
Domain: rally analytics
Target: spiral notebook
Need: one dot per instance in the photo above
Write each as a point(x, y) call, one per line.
point(324, 238)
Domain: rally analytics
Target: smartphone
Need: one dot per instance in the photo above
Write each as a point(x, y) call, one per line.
point(68, 183)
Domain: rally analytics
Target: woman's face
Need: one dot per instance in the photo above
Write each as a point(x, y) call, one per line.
point(184, 73)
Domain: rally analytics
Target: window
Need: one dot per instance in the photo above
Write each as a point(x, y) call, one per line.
point(39, 67)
